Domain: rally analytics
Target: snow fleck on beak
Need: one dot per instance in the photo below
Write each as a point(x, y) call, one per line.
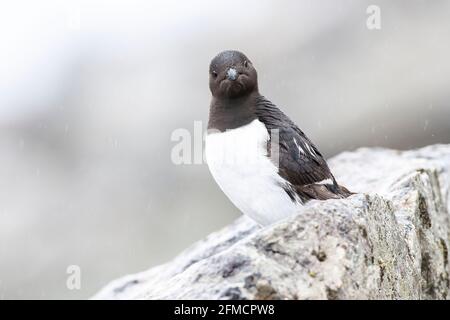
point(232, 74)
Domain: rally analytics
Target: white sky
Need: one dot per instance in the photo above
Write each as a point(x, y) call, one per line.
point(40, 39)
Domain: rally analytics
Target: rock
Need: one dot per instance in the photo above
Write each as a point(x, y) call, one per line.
point(389, 241)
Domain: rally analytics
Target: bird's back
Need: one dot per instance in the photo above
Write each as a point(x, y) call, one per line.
point(299, 160)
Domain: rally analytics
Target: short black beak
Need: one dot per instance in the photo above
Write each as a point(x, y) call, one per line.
point(232, 74)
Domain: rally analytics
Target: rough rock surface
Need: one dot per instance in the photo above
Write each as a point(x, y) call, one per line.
point(389, 241)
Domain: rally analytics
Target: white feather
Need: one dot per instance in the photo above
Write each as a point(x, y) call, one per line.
point(238, 162)
point(310, 149)
point(300, 149)
point(325, 181)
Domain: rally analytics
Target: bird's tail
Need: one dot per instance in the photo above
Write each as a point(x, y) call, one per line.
point(323, 191)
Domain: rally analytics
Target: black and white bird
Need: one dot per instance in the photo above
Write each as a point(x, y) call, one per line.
point(260, 159)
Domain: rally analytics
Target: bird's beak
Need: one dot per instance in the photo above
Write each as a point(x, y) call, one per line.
point(232, 74)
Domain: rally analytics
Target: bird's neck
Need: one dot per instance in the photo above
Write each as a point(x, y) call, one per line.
point(227, 114)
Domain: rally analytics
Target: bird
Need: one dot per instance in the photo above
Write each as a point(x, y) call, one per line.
point(261, 160)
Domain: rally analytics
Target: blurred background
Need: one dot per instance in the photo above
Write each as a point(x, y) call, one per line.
point(91, 91)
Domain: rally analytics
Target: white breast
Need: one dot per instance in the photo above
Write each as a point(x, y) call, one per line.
point(238, 162)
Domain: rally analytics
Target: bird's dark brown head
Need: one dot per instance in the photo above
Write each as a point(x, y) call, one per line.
point(232, 75)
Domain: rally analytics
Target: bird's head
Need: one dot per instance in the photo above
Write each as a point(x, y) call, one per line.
point(232, 75)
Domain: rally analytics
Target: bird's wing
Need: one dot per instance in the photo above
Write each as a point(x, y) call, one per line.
point(300, 162)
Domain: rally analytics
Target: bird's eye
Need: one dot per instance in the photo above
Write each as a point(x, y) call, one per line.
point(214, 74)
point(245, 63)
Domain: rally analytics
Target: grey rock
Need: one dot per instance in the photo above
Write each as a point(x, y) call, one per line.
point(389, 241)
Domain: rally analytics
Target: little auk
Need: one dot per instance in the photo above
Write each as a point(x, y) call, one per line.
point(259, 158)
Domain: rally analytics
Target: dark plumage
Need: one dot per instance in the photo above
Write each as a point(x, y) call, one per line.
point(302, 169)
point(237, 102)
